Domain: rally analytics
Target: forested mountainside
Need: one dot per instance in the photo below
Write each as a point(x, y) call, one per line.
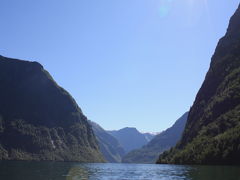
point(161, 142)
point(109, 146)
point(40, 120)
point(212, 133)
point(130, 138)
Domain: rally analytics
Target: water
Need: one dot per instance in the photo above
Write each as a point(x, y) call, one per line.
point(12, 170)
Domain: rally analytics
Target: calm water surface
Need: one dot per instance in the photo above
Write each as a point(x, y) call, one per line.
point(11, 170)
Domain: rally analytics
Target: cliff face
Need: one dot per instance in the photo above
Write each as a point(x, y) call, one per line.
point(212, 133)
point(161, 142)
point(40, 120)
point(109, 146)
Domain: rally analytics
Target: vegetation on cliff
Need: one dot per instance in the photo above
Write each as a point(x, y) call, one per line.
point(212, 134)
point(39, 120)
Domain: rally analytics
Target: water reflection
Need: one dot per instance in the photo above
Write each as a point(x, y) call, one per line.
point(10, 170)
point(20, 170)
point(77, 173)
point(214, 172)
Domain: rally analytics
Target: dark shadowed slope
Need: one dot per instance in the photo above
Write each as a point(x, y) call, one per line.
point(129, 138)
point(212, 134)
point(40, 120)
point(109, 146)
point(160, 143)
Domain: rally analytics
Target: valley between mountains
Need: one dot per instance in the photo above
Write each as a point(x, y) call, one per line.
point(41, 121)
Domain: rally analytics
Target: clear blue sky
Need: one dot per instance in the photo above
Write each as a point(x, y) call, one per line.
point(135, 63)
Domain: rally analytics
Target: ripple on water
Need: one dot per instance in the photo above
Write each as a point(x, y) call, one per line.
point(12, 170)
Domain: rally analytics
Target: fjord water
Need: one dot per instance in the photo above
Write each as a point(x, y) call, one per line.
point(20, 170)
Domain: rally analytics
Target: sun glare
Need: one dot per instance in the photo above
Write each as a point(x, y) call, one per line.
point(165, 7)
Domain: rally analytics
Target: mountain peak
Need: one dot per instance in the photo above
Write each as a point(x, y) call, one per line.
point(234, 24)
point(130, 138)
point(159, 143)
point(129, 129)
point(11, 61)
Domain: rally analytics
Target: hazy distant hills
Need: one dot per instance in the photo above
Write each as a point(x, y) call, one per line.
point(113, 146)
point(40, 120)
point(131, 138)
point(161, 142)
point(212, 133)
point(149, 136)
point(109, 146)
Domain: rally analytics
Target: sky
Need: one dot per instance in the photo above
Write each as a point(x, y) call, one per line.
point(127, 63)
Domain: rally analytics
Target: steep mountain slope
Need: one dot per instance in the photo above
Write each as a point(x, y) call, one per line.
point(161, 142)
point(40, 120)
point(212, 134)
point(129, 138)
point(109, 146)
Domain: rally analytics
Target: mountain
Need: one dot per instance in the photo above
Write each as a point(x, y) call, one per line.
point(109, 146)
point(161, 142)
point(39, 120)
point(148, 136)
point(130, 138)
point(212, 133)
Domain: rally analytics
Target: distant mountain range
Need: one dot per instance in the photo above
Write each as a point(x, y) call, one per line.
point(39, 120)
point(131, 138)
point(109, 146)
point(212, 133)
point(161, 142)
point(114, 148)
